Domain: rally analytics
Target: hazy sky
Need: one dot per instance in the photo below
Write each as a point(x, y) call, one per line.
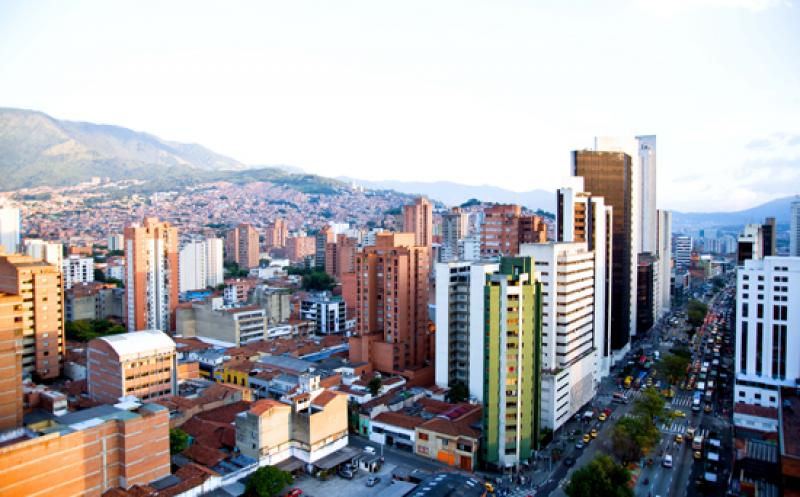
point(478, 92)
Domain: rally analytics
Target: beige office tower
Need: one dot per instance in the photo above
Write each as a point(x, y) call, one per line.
point(418, 219)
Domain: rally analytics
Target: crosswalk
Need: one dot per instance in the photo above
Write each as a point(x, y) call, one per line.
point(674, 427)
point(682, 400)
point(631, 394)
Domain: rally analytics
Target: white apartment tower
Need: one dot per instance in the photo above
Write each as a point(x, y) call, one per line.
point(664, 252)
point(215, 272)
point(49, 252)
point(570, 341)
point(77, 269)
point(192, 266)
point(9, 228)
point(767, 329)
point(454, 228)
point(584, 218)
point(682, 251)
point(460, 324)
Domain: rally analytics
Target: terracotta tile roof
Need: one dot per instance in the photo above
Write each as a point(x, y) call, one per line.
point(450, 428)
point(325, 397)
point(398, 419)
point(264, 405)
point(331, 381)
point(190, 344)
point(434, 406)
point(202, 454)
point(225, 414)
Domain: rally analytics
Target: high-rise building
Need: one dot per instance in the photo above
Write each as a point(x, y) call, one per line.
point(572, 339)
point(584, 218)
point(611, 175)
point(77, 269)
point(794, 228)
point(50, 252)
point(11, 312)
point(340, 256)
point(460, 324)
point(9, 228)
point(300, 247)
point(504, 228)
point(241, 246)
point(215, 270)
point(768, 237)
point(664, 260)
point(116, 242)
point(392, 304)
point(454, 228)
point(323, 237)
point(682, 251)
point(750, 244)
point(512, 364)
point(192, 266)
point(151, 275)
point(648, 282)
point(140, 363)
point(328, 312)
point(767, 329)
point(40, 286)
point(469, 248)
point(418, 219)
point(277, 233)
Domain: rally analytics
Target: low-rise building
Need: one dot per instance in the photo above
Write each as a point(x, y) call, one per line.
point(452, 437)
point(140, 364)
point(234, 325)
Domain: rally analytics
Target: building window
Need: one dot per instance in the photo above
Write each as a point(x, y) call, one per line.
point(743, 349)
point(759, 347)
point(423, 436)
point(745, 309)
point(760, 311)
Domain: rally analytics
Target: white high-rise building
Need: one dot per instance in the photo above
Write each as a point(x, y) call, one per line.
point(215, 272)
point(469, 248)
point(767, 329)
point(460, 324)
point(584, 218)
point(77, 269)
point(9, 228)
point(794, 229)
point(664, 252)
point(50, 252)
point(454, 228)
point(192, 266)
point(682, 251)
point(116, 242)
point(570, 342)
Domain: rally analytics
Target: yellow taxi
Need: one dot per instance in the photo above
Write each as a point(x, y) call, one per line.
point(602, 416)
point(698, 454)
point(678, 413)
point(593, 433)
point(587, 438)
point(678, 438)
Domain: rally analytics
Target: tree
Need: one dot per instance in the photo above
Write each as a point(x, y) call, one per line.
point(649, 405)
point(99, 275)
point(632, 437)
point(696, 312)
point(374, 385)
point(458, 393)
point(672, 367)
point(319, 281)
point(267, 481)
point(603, 477)
point(178, 440)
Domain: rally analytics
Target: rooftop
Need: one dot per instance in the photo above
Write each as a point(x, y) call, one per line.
point(138, 342)
point(449, 485)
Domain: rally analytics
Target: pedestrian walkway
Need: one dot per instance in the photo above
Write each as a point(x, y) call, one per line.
point(674, 427)
point(682, 400)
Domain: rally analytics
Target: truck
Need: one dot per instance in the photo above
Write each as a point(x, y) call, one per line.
point(639, 379)
point(701, 386)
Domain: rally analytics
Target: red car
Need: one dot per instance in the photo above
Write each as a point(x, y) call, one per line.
point(295, 492)
point(607, 411)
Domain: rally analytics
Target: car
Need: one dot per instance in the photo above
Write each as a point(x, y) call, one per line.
point(369, 449)
point(607, 411)
point(579, 444)
point(295, 492)
point(667, 461)
point(707, 408)
point(347, 473)
point(698, 454)
point(489, 487)
point(602, 416)
point(593, 433)
point(690, 432)
point(678, 413)
point(678, 438)
point(373, 480)
point(569, 461)
point(587, 438)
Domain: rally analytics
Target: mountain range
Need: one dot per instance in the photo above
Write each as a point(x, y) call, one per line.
point(451, 193)
point(39, 150)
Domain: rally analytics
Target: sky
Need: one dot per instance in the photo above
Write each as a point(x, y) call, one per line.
point(478, 92)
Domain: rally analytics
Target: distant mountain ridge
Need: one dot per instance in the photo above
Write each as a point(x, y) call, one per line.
point(37, 149)
point(452, 194)
point(778, 208)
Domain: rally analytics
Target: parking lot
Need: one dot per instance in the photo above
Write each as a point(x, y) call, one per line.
point(335, 485)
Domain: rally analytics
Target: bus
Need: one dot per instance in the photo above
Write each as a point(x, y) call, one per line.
point(696, 401)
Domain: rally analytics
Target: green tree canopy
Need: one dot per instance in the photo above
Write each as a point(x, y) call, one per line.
point(374, 385)
point(632, 437)
point(178, 440)
point(267, 481)
point(601, 477)
point(649, 405)
point(84, 330)
point(696, 312)
point(318, 281)
point(458, 393)
point(672, 367)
